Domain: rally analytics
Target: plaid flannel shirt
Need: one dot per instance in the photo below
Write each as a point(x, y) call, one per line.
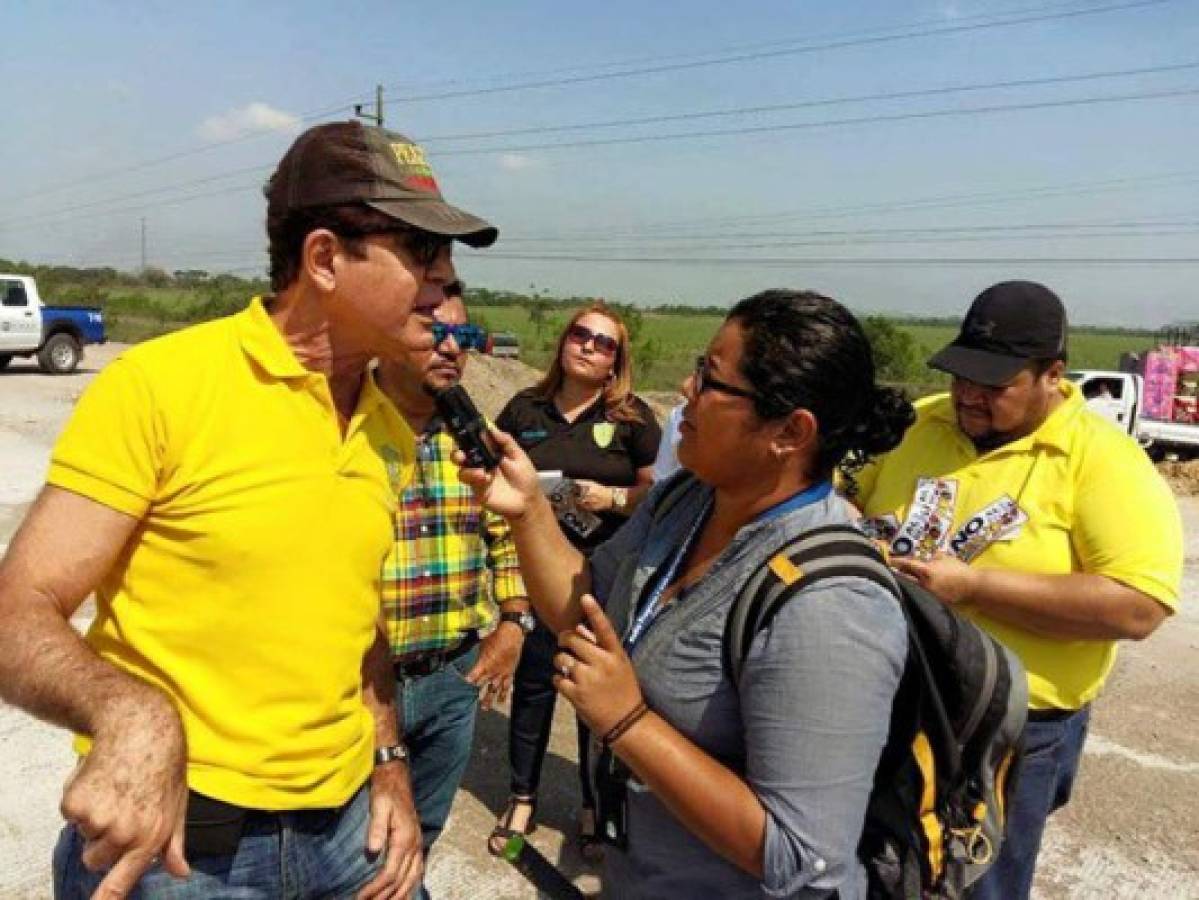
point(452, 562)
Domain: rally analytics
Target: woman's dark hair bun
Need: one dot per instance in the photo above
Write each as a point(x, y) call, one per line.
point(805, 349)
point(883, 426)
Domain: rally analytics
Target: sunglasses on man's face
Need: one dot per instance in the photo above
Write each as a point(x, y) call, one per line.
point(424, 246)
point(466, 336)
point(705, 382)
point(581, 335)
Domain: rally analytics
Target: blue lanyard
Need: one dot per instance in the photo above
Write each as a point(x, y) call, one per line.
point(651, 607)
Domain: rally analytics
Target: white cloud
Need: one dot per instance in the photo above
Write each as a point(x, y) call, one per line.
point(514, 162)
point(251, 118)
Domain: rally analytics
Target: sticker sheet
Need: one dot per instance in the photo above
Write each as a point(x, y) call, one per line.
point(926, 530)
point(999, 521)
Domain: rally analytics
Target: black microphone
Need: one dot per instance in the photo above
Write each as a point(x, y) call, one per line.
point(467, 426)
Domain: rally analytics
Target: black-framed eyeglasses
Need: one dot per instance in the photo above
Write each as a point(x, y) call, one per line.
point(466, 336)
point(705, 382)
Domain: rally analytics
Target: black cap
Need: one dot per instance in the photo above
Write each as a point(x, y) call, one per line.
point(1007, 325)
point(348, 162)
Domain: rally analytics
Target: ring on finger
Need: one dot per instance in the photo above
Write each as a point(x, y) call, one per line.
point(566, 667)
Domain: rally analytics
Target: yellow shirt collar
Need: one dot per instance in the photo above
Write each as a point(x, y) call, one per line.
point(262, 342)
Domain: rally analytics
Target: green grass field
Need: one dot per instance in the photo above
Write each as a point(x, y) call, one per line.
point(665, 345)
point(680, 338)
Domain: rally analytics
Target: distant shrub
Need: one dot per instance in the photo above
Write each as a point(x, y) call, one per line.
point(898, 357)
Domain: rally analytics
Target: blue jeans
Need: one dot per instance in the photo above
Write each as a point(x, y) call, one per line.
point(437, 716)
point(282, 856)
point(1052, 752)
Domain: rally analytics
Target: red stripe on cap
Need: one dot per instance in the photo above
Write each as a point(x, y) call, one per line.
point(424, 183)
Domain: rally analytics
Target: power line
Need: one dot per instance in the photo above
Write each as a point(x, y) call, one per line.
point(237, 189)
point(171, 157)
point(992, 21)
point(807, 104)
point(828, 123)
point(733, 48)
point(768, 54)
point(71, 210)
point(847, 260)
point(862, 232)
point(707, 245)
point(35, 217)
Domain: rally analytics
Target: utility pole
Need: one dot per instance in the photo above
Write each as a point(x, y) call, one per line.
point(377, 116)
point(143, 245)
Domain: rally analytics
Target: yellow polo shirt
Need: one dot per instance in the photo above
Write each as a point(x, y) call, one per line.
point(250, 591)
point(1082, 497)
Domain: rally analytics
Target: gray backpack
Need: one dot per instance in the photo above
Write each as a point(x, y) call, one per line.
point(936, 816)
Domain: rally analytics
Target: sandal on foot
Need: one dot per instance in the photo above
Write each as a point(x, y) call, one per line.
point(503, 828)
point(591, 847)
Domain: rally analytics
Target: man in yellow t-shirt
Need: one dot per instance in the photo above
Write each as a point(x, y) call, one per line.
point(1037, 519)
point(226, 491)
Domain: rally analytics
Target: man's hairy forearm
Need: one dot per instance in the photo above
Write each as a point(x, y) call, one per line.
point(47, 670)
point(62, 551)
point(378, 691)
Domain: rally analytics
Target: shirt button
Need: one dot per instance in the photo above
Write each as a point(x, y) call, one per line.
point(819, 865)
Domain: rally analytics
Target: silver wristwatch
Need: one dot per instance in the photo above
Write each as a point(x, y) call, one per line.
point(394, 753)
point(526, 620)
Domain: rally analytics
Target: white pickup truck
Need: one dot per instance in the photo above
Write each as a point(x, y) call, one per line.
point(1118, 395)
point(55, 334)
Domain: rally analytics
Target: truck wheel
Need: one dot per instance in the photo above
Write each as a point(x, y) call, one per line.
point(59, 355)
point(5, 359)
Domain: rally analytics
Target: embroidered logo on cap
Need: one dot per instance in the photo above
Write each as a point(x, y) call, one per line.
point(417, 175)
point(981, 329)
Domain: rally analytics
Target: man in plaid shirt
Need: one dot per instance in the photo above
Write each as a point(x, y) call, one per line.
point(451, 566)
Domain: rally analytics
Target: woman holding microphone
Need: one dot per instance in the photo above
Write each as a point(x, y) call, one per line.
point(734, 790)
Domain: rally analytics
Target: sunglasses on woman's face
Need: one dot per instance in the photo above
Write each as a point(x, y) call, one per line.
point(466, 336)
point(581, 335)
point(705, 382)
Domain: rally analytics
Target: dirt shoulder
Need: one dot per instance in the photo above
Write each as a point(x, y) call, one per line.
point(1130, 830)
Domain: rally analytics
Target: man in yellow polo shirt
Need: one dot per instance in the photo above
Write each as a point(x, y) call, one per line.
point(1038, 520)
point(226, 491)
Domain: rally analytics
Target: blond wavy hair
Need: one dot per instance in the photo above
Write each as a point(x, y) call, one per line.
point(619, 400)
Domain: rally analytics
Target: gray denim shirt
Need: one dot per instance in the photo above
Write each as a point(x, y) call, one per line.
point(804, 727)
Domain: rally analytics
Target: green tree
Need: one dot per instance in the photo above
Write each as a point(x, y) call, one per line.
point(897, 355)
point(633, 319)
point(538, 309)
point(646, 356)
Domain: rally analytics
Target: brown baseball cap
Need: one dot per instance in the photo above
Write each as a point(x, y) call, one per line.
point(348, 162)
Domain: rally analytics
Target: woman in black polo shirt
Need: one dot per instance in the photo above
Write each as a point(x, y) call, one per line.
point(581, 419)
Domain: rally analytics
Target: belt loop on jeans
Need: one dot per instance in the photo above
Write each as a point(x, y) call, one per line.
point(423, 666)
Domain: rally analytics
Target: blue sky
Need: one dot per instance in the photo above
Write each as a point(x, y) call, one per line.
point(1078, 196)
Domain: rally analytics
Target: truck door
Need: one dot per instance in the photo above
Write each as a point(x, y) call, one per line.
point(20, 324)
point(1112, 396)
